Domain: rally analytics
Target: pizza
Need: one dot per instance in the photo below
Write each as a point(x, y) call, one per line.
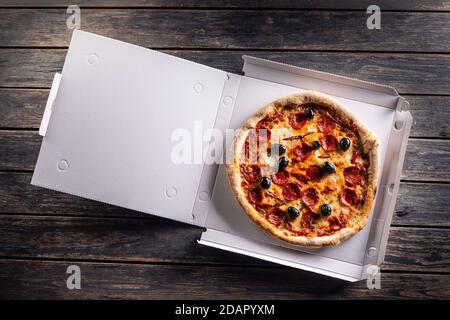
point(305, 169)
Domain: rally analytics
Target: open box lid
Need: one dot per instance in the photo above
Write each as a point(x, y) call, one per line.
point(114, 115)
point(110, 126)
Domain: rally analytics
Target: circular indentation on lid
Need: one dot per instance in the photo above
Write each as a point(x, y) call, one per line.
point(391, 188)
point(92, 59)
point(199, 88)
point(227, 101)
point(398, 125)
point(371, 252)
point(171, 192)
point(203, 196)
point(62, 165)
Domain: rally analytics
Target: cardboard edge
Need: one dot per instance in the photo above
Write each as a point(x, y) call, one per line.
point(50, 101)
point(321, 75)
point(396, 181)
point(225, 108)
point(233, 243)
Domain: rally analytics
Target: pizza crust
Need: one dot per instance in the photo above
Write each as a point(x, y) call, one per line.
point(370, 144)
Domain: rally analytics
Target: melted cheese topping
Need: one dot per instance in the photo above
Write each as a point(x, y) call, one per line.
point(343, 195)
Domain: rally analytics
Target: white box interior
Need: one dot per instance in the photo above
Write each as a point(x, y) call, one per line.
point(225, 213)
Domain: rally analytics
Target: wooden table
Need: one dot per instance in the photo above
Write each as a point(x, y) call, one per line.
point(124, 254)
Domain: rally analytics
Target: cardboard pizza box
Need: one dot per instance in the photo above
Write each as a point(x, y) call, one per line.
point(112, 117)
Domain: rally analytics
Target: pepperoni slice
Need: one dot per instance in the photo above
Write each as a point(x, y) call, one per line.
point(300, 176)
point(251, 172)
point(256, 196)
point(329, 143)
point(275, 216)
point(314, 173)
point(307, 219)
point(302, 152)
point(343, 220)
point(353, 176)
point(263, 207)
point(281, 177)
point(349, 198)
point(334, 224)
point(251, 147)
point(298, 120)
point(246, 148)
point(310, 196)
point(263, 134)
point(326, 124)
point(291, 192)
point(263, 123)
point(297, 232)
point(256, 140)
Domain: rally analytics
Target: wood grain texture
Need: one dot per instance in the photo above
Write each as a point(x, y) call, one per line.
point(163, 241)
point(431, 5)
point(422, 204)
point(19, 149)
point(125, 254)
point(425, 159)
point(408, 73)
point(238, 29)
point(18, 196)
point(431, 116)
point(24, 108)
point(47, 279)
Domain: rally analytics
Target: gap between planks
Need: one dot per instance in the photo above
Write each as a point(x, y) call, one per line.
point(187, 264)
point(219, 8)
point(256, 49)
point(5, 129)
point(148, 216)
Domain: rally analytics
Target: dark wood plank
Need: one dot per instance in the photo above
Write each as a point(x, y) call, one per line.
point(422, 204)
point(19, 149)
point(428, 5)
point(24, 109)
point(30, 68)
point(408, 73)
point(431, 115)
point(47, 280)
point(18, 196)
point(286, 30)
point(422, 249)
point(425, 159)
point(161, 240)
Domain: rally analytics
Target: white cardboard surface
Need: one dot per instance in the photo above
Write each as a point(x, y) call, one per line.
point(112, 121)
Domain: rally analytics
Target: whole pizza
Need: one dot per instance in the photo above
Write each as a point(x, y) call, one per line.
point(305, 169)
